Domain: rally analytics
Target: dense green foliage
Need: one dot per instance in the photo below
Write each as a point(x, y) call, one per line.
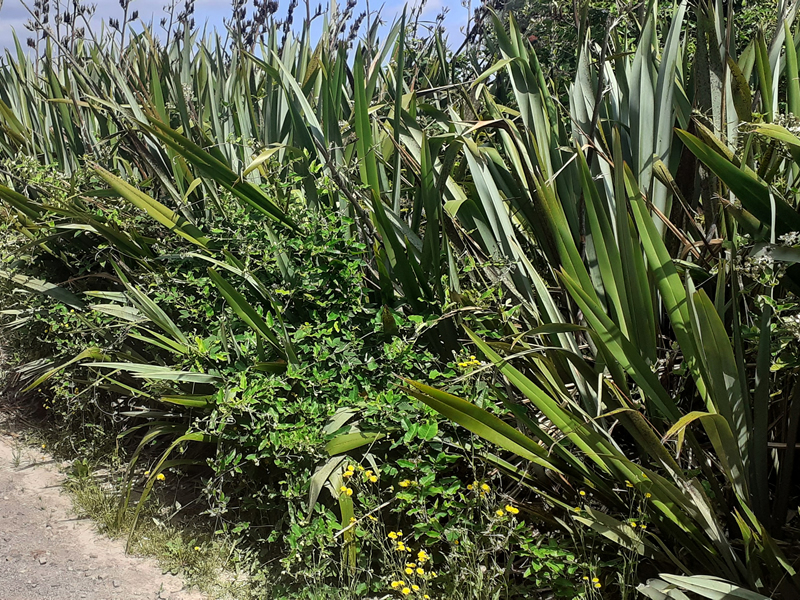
point(407, 323)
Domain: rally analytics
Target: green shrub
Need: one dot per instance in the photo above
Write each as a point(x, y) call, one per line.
point(270, 429)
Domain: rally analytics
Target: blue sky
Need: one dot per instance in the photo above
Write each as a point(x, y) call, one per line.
point(13, 14)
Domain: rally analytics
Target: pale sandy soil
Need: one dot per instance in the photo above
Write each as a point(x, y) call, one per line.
point(48, 554)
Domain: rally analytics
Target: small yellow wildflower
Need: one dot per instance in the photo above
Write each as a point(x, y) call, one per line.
point(582, 493)
point(160, 477)
point(401, 547)
point(44, 445)
point(368, 473)
point(500, 513)
point(371, 518)
point(597, 585)
point(346, 490)
point(347, 474)
point(373, 479)
point(411, 564)
point(633, 523)
point(472, 357)
point(351, 468)
point(628, 483)
point(397, 584)
point(423, 556)
point(648, 495)
point(392, 535)
point(415, 587)
point(643, 526)
point(352, 519)
point(469, 486)
point(433, 573)
point(513, 510)
point(595, 580)
point(197, 548)
point(409, 571)
point(405, 591)
point(485, 487)
point(404, 483)
point(426, 597)
point(360, 468)
point(585, 578)
point(147, 473)
point(420, 571)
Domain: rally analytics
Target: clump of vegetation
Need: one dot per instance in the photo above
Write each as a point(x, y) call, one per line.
point(400, 322)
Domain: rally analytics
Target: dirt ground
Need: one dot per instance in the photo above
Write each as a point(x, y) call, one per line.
point(48, 554)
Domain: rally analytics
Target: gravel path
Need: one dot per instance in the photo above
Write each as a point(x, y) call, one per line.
point(47, 554)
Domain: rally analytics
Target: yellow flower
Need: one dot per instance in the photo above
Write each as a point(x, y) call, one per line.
point(648, 495)
point(44, 445)
point(371, 518)
point(415, 587)
point(585, 578)
point(426, 597)
point(433, 573)
point(469, 486)
point(347, 474)
point(401, 547)
point(397, 584)
point(405, 591)
point(367, 473)
point(628, 483)
point(633, 523)
point(409, 571)
point(346, 490)
point(485, 487)
point(360, 468)
point(197, 548)
point(500, 513)
point(582, 493)
point(392, 535)
point(351, 468)
point(595, 580)
point(147, 473)
point(373, 479)
point(404, 483)
point(160, 477)
point(597, 585)
point(472, 357)
point(513, 510)
point(352, 519)
point(643, 526)
point(423, 556)
point(420, 571)
point(411, 565)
